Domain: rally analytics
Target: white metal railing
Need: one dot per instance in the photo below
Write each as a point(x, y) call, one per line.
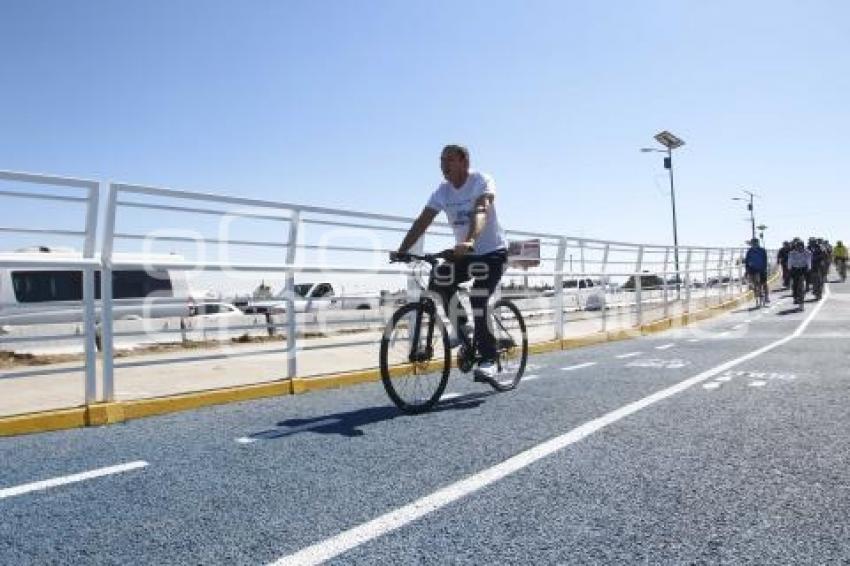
point(43, 189)
point(294, 242)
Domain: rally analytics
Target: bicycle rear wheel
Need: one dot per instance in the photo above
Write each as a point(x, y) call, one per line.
point(415, 358)
point(508, 327)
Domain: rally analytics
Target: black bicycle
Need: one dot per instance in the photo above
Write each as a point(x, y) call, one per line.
point(416, 353)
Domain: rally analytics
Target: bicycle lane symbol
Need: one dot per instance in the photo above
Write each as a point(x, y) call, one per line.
point(752, 378)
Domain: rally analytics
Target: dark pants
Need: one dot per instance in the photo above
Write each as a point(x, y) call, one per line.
point(798, 276)
point(486, 272)
point(786, 275)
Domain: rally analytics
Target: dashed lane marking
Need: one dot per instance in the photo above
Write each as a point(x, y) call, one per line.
point(74, 478)
point(449, 396)
point(693, 340)
point(629, 355)
point(664, 346)
point(530, 377)
point(711, 385)
point(758, 383)
point(579, 366)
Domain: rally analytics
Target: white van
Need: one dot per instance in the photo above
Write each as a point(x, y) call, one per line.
point(43, 295)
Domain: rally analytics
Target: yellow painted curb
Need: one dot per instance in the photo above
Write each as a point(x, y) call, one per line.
point(624, 334)
point(43, 422)
point(195, 400)
point(306, 384)
point(104, 413)
point(543, 347)
point(582, 341)
point(657, 326)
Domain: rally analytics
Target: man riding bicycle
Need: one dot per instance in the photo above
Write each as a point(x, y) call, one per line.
point(756, 264)
point(467, 197)
point(800, 263)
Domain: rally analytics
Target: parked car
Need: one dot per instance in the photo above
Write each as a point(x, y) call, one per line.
point(312, 297)
point(213, 311)
point(647, 282)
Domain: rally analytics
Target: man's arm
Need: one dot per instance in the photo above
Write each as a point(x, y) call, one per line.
point(483, 204)
point(420, 225)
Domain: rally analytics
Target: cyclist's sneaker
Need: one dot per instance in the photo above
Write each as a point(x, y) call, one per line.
point(454, 339)
point(486, 371)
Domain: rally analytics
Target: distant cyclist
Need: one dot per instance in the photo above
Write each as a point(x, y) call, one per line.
point(467, 197)
point(756, 264)
point(799, 263)
point(819, 259)
point(782, 259)
point(839, 253)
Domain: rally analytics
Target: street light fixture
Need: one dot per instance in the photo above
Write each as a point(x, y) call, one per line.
point(670, 142)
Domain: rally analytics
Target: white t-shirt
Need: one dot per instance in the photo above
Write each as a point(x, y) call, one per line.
point(459, 205)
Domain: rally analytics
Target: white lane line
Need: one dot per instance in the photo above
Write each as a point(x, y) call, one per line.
point(758, 383)
point(74, 478)
point(693, 340)
point(629, 355)
point(664, 347)
point(388, 522)
point(530, 377)
point(579, 366)
point(449, 396)
point(724, 378)
point(737, 326)
point(723, 334)
point(246, 440)
point(748, 321)
point(711, 385)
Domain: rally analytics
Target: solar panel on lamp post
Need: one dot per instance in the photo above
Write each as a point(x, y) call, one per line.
point(670, 142)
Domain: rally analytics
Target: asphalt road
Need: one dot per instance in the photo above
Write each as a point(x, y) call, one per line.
point(722, 443)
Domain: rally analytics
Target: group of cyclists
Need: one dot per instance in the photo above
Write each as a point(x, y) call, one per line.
point(804, 266)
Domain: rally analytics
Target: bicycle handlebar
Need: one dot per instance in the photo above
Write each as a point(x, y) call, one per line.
point(430, 258)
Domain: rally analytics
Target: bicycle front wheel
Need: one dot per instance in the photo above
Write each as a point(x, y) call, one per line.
point(415, 358)
point(508, 328)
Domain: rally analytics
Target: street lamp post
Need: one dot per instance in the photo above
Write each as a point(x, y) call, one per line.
point(750, 197)
point(670, 142)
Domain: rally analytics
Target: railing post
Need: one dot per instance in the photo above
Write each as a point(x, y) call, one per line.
point(705, 253)
point(559, 288)
point(720, 277)
point(107, 341)
point(89, 312)
point(639, 286)
point(91, 329)
point(687, 308)
point(730, 274)
point(291, 326)
point(678, 282)
point(605, 288)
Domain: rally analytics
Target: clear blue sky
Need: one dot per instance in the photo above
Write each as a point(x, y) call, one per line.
point(347, 103)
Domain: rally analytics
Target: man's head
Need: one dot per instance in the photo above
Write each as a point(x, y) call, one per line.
point(454, 162)
point(754, 243)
